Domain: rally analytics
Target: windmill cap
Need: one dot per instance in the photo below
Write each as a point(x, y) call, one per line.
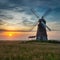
point(42, 17)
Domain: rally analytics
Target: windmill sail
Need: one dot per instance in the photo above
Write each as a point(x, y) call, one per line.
point(33, 11)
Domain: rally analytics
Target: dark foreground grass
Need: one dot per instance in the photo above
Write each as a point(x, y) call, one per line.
point(30, 50)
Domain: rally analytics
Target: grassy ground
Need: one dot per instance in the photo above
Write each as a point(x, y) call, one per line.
point(32, 50)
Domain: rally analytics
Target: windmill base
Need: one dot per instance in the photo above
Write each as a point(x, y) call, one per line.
point(44, 38)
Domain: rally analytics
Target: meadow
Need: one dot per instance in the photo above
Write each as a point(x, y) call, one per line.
point(29, 50)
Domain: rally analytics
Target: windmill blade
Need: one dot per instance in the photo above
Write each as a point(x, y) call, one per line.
point(55, 30)
point(33, 26)
point(47, 12)
point(33, 11)
point(31, 36)
point(46, 26)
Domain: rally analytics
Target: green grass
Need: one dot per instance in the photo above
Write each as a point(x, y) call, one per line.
point(30, 50)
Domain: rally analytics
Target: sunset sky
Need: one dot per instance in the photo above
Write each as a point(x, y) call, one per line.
point(17, 15)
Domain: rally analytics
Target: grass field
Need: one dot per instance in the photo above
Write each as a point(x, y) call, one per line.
point(31, 50)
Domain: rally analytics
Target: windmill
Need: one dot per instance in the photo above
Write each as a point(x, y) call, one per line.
point(41, 30)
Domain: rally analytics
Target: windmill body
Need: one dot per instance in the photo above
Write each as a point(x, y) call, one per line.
point(41, 30)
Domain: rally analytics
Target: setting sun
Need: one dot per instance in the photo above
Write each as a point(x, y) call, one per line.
point(10, 34)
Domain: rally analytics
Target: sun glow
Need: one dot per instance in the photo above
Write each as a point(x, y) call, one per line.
point(10, 34)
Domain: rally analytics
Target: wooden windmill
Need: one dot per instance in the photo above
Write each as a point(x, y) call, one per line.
point(41, 29)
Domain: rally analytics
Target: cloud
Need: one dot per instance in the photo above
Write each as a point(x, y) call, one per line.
point(35, 3)
point(54, 25)
point(18, 11)
point(3, 1)
point(14, 17)
point(29, 3)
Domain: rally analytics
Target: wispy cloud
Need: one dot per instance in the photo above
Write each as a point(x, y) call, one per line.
point(18, 11)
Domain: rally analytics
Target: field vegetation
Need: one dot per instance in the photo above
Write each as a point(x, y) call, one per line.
point(29, 50)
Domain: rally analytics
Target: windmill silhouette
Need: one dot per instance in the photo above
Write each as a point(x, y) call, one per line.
point(41, 30)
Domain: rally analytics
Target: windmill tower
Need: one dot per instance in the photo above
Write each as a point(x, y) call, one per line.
point(41, 29)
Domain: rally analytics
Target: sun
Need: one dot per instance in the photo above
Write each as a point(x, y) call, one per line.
point(10, 34)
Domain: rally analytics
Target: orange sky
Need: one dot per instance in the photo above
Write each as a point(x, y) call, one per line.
point(55, 35)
